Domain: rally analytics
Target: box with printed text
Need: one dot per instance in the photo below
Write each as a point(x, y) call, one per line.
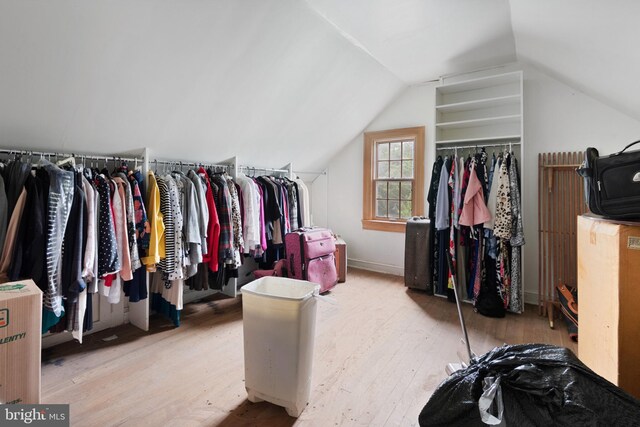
point(20, 342)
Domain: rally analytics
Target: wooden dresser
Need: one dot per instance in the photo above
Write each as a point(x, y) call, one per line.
point(609, 299)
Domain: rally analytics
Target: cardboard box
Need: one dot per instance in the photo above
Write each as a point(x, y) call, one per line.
point(609, 300)
point(20, 342)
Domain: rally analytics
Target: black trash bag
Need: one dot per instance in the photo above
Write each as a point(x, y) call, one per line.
point(541, 385)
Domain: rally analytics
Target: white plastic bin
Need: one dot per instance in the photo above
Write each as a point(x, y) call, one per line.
point(279, 319)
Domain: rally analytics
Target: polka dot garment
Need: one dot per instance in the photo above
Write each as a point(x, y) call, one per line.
point(108, 261)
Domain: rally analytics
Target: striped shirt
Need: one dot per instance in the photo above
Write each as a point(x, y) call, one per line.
point(61, 184)
point(168, 263)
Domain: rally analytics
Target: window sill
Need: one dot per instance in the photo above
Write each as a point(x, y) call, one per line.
point(382, 225)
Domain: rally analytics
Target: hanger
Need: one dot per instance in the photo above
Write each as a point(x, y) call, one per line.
point(68, 161)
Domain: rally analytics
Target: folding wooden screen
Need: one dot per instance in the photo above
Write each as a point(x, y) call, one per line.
point(560, 202)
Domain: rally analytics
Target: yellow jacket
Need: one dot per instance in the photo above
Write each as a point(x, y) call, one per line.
point(156, 250)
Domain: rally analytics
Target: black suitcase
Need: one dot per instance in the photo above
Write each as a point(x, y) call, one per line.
point(612, 183)
point(417, 257)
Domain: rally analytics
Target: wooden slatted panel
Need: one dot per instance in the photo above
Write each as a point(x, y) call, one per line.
point(560, 202)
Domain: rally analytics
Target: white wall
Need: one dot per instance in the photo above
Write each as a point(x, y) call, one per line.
point(319, 202)
point(557, 118)
point(560, 118)
point(376, 250)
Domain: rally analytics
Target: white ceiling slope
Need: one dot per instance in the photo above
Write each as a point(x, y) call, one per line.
point(423, 39)
point(592, 45)
point(277, 81)
point(267, 80)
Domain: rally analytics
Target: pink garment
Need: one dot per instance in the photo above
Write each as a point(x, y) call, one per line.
point(285, 208)
point(263, 232)
point(474, 210)
point(120, 219)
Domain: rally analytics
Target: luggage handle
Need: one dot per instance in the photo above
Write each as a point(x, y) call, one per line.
point(625, 148)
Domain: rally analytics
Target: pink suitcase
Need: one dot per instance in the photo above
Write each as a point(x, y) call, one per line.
point(310, 252)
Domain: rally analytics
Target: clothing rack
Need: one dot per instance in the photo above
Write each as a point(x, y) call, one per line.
point(476, 146)
point(43, 154)
point(138, 313)
point(254, 169)
point(180, 163)
point(310, 173)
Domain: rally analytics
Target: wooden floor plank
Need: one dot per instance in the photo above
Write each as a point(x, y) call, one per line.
point(380, 353)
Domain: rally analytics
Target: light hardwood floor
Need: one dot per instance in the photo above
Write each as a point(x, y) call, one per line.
point(380, 353)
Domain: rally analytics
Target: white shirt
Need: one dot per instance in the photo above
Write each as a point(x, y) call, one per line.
point(305, 208)
point(251, 198)
point(90, 250)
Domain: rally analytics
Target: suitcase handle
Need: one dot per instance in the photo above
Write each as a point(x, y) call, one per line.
point(628, 146)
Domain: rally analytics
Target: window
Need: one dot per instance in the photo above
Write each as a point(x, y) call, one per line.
point(393, 178)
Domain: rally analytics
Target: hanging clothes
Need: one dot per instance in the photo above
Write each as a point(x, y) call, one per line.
point(136, 289)
point(442, 220)
point(156, 249)
point(28, 254)
point(121, 228)
point(175, 271)
point(4, 213)
point(432, 198)
point(108, 261)
point(304, 197)
point(60, 198)
point(251, 226)
point(224, 210)
point(475, 212)
point(213, 229)
point(203, 210)
point(442, 202)
point(238, 240)
point(12, 234)
point(516, 302)
point(191, 224)
point(504, 215)
point(168, 263)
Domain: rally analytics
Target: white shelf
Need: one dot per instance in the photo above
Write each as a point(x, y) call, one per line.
point(481, 139)
point(460, 124)
point(482, 112)
point(481, 83)
point(479, 104)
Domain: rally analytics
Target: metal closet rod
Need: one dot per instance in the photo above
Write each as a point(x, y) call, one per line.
point(310, 173)
point(181, 163)
point(245, 167)
point(476, 146)
point(75, 155)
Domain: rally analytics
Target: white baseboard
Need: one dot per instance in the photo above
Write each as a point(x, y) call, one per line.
point(529, 297)
point(375, 266)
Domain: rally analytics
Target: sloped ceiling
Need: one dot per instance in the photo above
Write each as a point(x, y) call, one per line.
point(267, 80)
point(271, 81)
point(592, 45)
point(424, 39)
point(276, 81)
